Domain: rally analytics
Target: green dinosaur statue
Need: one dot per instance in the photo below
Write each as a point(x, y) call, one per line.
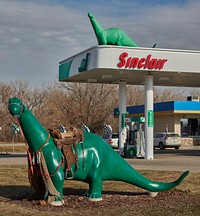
point(111, 36)
point(97, 161)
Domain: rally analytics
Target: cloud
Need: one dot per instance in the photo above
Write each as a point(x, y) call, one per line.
point(172, 26)
point(35, 35)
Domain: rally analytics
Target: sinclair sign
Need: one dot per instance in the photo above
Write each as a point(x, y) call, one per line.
point(148, 62)
point(108, 64)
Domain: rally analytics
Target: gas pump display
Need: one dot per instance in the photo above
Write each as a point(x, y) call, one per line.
point(135, 138)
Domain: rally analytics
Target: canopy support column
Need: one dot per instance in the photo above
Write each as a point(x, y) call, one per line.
point(122, 115)
point(149, 116)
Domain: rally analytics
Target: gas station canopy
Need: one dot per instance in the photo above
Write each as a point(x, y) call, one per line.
point(134, 66)
point(112, 64)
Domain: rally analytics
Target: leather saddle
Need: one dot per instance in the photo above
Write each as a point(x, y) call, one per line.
point(67, 141)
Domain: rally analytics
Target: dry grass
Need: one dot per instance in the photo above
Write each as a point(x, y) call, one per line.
point(12, 148)
point(118, 198)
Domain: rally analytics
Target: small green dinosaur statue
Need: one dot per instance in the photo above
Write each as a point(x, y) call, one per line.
point(97, 161)
point(111, 36)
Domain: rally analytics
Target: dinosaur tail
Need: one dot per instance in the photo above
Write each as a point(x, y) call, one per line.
point(123, 171)
point(139, 180)
point(154, 186)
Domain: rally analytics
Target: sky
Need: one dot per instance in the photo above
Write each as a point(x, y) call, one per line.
point(35, 35)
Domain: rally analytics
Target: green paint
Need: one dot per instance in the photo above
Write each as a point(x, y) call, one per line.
point(84, 63)
point(123, 120)
point(111, 36)
point(64, 70)
point(130, 151)
point(137, 119)
point(36, 135)
point(150, 118)
point(97, 161)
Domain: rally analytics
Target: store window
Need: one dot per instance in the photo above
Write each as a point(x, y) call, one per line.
point(190, 127)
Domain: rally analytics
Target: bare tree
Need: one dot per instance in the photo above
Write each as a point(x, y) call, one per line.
point(167, 94)
point(20, 89)
point(5, 92)
point(135, 95)
point(194, 92)
point(74, 104)
point(87, 104)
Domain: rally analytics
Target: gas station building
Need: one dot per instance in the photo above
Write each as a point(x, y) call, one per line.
point(182, 117)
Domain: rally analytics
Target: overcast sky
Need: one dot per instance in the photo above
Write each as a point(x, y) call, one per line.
point(35, 35)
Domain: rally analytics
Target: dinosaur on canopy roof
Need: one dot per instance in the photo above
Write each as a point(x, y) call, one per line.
point(111, 36)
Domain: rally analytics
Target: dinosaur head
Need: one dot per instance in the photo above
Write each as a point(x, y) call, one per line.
point(15, 107)
point(90, 15)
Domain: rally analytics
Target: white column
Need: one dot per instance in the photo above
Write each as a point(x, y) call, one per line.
point(149, 116)
point(122, 110)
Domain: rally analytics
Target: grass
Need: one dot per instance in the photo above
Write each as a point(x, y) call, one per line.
point(119, 198)
point(12, 148)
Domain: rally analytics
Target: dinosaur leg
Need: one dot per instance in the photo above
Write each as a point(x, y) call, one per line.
point(56, 197)
point(54, 176)
point(95, 189)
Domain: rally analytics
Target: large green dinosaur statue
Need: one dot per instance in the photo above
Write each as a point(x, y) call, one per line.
point(97, 161)
point(111, 36)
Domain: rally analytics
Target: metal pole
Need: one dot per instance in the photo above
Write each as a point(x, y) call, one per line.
point(122, 112)
point(149, 116)
point(13, 143)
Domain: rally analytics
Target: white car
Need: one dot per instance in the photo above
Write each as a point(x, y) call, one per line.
point(167, 140)
point(111, 139)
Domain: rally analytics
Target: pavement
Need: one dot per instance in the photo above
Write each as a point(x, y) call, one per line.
point(169, 160)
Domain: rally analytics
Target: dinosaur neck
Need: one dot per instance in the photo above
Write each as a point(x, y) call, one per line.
point(96, 26)
point(36, 135)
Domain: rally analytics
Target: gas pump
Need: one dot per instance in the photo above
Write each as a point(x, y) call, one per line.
point(135, 144)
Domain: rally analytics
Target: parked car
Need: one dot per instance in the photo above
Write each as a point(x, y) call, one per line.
point(111, 139)
point(167, 140)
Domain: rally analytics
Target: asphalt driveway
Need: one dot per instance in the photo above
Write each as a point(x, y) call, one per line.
point(170, 159)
